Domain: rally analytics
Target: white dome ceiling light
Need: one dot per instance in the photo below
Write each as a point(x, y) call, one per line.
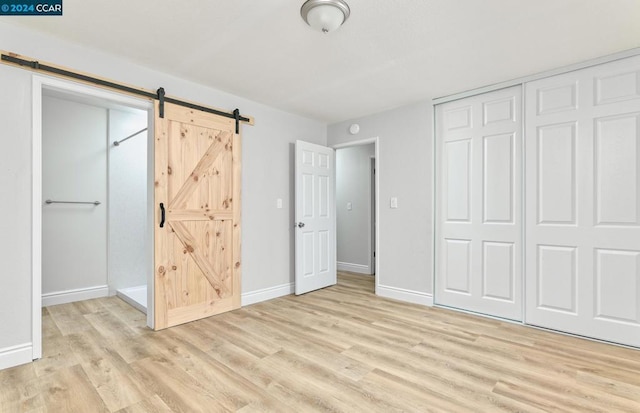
point(325, 15)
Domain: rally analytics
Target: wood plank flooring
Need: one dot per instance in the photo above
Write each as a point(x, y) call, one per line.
point(340, 349)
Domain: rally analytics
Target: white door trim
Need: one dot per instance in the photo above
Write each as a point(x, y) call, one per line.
point(39, 83)
point(376, 141)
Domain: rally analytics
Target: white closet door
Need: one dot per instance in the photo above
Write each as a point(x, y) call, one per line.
point(478, 221)
point(583, 198)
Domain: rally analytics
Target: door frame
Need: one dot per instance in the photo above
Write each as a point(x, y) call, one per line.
point(39, 84)
point(373, 166)
point(376, 141)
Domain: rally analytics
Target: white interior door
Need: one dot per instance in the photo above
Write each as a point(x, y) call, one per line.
point(583, 202)
point(315, 225)
point(478, 215)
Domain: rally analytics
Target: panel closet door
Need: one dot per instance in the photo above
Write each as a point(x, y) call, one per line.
point(583, 197)
point(478, 214)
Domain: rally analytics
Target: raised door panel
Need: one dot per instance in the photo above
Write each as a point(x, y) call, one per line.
point(501, 110)
point(458, 180)
point(498, 178)
point(556, 278)
point(457, 266)
point(457, 118)
point(617, 87)
point(556, 174)
point(617, 170)
point(498, 271)
point(617, 287)
point(557, 98)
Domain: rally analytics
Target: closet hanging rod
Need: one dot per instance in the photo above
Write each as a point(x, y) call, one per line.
point(117, 143)
point(48, 201)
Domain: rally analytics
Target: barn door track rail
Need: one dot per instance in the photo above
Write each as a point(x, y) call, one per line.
point(15, 59)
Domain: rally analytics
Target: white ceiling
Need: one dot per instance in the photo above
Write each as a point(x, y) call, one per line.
point(389, 53)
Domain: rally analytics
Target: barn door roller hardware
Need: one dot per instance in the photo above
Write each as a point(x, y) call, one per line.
point(159, 95)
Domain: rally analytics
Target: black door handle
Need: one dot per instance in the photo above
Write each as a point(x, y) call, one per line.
point(161, 215)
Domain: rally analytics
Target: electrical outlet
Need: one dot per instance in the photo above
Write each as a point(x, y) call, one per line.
point(349, 206)
point(394, 202)
point(279, 203)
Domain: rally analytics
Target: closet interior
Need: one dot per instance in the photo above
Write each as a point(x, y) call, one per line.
point(95, 237)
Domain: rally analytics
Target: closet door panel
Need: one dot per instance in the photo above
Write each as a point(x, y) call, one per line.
point(498, 270)
point(556, 174)
point(556, 278)
point(458, 180)
point(478, 227)
point(582, 219)
point(498, 178)
point(457, 267)
point(616, 173)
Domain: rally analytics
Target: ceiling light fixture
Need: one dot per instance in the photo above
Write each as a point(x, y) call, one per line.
point(325, 15)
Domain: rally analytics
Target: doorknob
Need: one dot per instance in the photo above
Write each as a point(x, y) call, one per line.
point(300, 224)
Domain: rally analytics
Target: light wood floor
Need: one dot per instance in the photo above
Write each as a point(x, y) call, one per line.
point(340, 349)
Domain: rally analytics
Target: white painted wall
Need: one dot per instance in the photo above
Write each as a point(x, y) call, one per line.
point(353, 188)
point(267, 174)
point(127, 200)
point(74, 168)
point(404, 171)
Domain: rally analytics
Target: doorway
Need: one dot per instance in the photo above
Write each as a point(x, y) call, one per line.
point(356, 207)
point(92, 199)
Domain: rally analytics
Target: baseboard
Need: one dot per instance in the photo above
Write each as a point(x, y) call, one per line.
point(16, 355)
point(357, 268)
point(69, 296)
point(401, 294)
point(265, 294)
point(135, 297)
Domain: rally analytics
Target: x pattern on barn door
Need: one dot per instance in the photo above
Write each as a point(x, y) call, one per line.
point(197, 260)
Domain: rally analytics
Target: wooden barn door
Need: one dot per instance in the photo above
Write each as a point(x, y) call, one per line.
point(197, 244)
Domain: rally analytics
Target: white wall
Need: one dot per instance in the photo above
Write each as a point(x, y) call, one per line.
point(267, 247)
point(127, 200)
point(74, 168)
point(404, 171)
point(353, 186)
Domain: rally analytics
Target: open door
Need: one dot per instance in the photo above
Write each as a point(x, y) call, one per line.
point(197, 218)
point(315, 180)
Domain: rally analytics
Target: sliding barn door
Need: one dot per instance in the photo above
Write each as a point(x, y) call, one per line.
point(583, 202)
point(479, 218)
point(197, 219)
